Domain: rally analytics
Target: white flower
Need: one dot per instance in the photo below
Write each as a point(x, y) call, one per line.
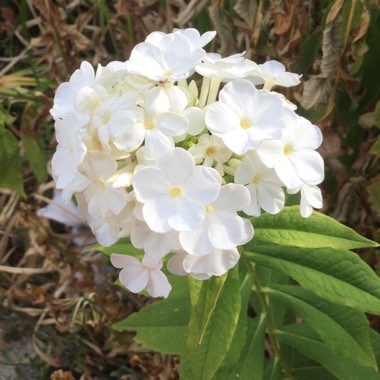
point(137, 276)
point(263, 185)
point(194, 37)
point(175, 191)
point(210, 150)
point(106, 230)
point(311, 197)
point(102, 197)
point(172, 57)
point(104, 200)
point(156, 123)
point(59, 211)
point(153, 243)
point(66, 94)
point(215, 263)
point(222, 228)
point(71, 149)
point(273, 73)
point(244, 116)
point(293, 157)
point(232, 67)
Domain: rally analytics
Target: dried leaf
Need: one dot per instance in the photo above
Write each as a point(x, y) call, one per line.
point(247, 9)
point(223, 26)
point(62, 375)
point(192, 10)
point(334, 11)
point(317, 88)
point(365, 19)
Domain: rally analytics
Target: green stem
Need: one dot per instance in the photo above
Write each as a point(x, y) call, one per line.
point(265, 309)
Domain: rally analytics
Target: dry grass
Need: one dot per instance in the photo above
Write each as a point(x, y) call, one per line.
point(62, 300)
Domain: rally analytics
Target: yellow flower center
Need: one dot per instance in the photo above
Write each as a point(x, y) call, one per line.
point(210, 150)
point(288, 150)
point(244, 123)
point(209, 208)
point(106, 117)
point(175, 191)
point(168, 73)
point(256, 179)
point(149, 123)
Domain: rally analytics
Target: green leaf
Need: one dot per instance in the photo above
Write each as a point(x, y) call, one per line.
point(303, 367)
point(206, 357)
point(241, 337)
point(337, 275)
point(251, 363)
point(337, 326)
point(203, 297)
point(373, 190)
point(317, 231)
point(304, 340)
point(36, 157)
point(162, 326)
point(309, 50)
point(375, 343)
point(123, 247)
point(10, 162)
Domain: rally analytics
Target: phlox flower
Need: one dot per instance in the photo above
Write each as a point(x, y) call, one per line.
point(215, 263)
point(103, 198)
point(294, 157)
point(311, 197)
point(263, 185)
point(244, 117)
point(232, 67)
point(106, 230)
point(195, 38)
point(155, 123)
point(209, 150)
point(222, 228)
point(175, 191)
point(71, 149)
point(138, 275)
point(153, 243)
point(66, 94)
point(273, 73)
point(172, 57)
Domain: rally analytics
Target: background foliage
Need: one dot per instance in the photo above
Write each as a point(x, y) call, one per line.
point(61, 301)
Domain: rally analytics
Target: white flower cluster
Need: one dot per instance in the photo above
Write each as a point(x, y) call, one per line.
point(150, 156)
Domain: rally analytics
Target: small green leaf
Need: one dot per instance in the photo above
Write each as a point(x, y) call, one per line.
point(251, 363)
point(304, 340)
point(206, 357)
point(10, 162)
point(337, 275)
point(375, 343)
point(241, 337)
point(373, 190)
point(337, 326)
point(203, 297)
point(375, 148)
point(162, 326)
point(123, 247)
point(317, 231)
point(36, 157)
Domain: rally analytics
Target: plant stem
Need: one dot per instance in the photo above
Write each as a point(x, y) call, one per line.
point(270, 328)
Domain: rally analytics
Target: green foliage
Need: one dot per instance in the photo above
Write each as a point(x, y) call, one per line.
point(162, 326)
point(216, 337)
point(317, 231)
point(10, 160)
